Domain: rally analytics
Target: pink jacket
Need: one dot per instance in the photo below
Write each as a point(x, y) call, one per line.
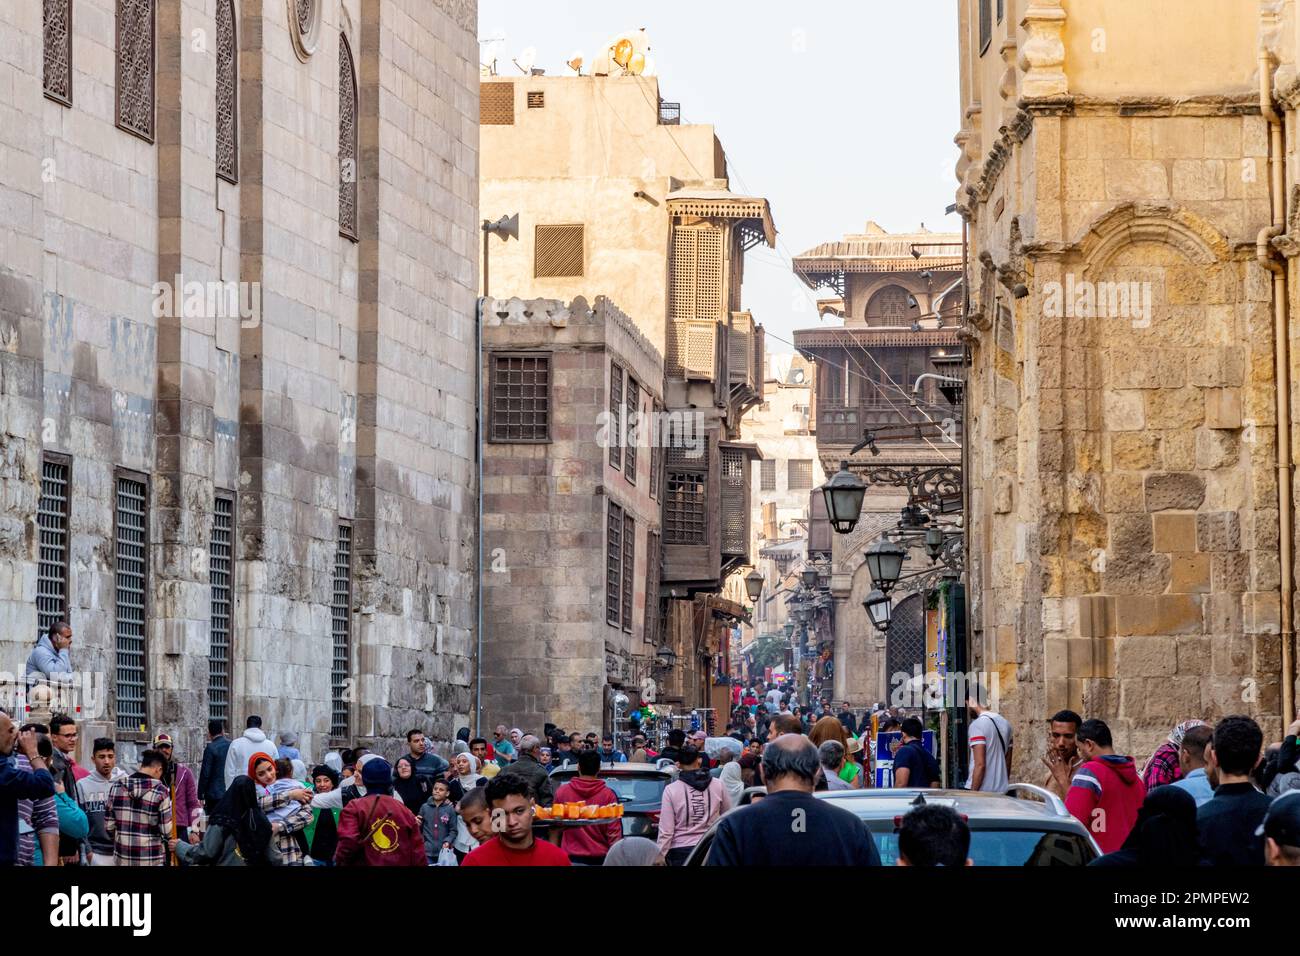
point(688, 813)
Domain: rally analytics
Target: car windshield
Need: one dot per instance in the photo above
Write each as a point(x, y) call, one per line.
point(1005, 847)
point(632, 791)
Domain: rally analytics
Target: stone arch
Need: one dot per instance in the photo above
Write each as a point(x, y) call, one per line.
point(888, 306)
point(1137, 222)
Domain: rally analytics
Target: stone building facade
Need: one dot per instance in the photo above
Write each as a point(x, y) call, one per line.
point(1132, 248)
point(237, 300)
point(571, 492)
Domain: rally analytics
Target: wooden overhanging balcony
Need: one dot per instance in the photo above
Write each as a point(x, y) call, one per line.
point(840, 423)
point(745, 361)
point(695, 349)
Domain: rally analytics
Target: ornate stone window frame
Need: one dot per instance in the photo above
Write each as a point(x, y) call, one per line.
point(227, 90)
point(142, 126)
point(349, 143)
point(57, 28)
point(304, 26)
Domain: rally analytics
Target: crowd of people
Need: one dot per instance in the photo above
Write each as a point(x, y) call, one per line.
point(1209, 795)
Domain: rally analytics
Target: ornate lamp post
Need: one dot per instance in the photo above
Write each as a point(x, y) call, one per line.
point(754, 585)
point(879, 609)
point(885, 563)
point(843, 495)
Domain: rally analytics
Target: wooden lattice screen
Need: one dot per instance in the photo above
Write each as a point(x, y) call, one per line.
point(58, 50)
point(227, 97)
point(135, 67)
point(496, 104)
point(557, 252)
point(735, 502)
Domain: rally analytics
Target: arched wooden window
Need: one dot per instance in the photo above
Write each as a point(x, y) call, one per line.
point(889, 307)
point(227, 93)
point(135, 67)
point(347, 142)
point(58, 50)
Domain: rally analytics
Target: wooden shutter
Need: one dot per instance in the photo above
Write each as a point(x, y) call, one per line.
point(629, 567)
point(653, 560)
point(735, 502)
point(615, 415)
point(614, 566)
point(629, 454)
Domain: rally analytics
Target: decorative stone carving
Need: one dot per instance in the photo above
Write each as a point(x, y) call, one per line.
point(227, 95)
point(1043, 56)
point(304, 26)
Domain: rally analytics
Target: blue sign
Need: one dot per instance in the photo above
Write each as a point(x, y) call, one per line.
point(885, 754)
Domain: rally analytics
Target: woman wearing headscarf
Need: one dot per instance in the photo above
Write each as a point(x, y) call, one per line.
point(634, 851)
point(238, 833)
point(410, 788)
point(748, 764)
point(323, 830)
point(467, 776)
point(733, 780)
point(1164, 835)
point(1163, 766)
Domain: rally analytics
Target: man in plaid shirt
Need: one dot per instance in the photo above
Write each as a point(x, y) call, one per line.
point(138, 815)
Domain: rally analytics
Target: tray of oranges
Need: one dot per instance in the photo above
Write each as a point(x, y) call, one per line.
point(580, 813)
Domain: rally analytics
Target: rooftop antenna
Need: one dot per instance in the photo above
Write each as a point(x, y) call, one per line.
point(526, 59)
point(575, 62)
point(488, 57)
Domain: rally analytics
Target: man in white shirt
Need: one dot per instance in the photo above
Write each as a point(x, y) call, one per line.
point(773, 699)
point(990, 749)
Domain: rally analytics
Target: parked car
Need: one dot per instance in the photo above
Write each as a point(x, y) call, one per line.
point(638, 786)
point(1024, 826)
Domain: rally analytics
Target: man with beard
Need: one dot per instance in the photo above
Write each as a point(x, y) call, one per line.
point(691, 804)
point(1062, 756)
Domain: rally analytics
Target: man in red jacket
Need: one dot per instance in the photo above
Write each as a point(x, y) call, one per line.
point(589, 844)
point(511, 800)
point(378, 829)
point(1106, 792)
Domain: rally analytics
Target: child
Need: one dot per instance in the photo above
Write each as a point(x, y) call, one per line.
point(475, 825)
point(438, 821)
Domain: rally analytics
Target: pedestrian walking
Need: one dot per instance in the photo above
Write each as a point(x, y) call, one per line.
point(635, 851)
point(1192, 761)
point(138, 815)
point(1106, 792)
point(212, 770)
point(63, 766)
point(424, 761)
point(529, 768)
point(377, 829)
point(183, 788)
point(438, 822)
point(411, 788)
point(1281, 831)
point(832, 757)
point(474, 827)
point(914, 766)
point(1229, 822)
point(253, 741)
point(1163, 766)
point(322, 832)
point(691, 804)
point(764, 834)
point(92, 793)
point(589, 844)
point(989, 738)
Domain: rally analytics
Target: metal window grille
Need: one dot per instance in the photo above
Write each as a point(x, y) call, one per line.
point(656, 436)
point(227, 95)
point(653, 563)
point(536, 100)
point(130, 581)
point(670, 114)
point(615, 415)
point(496, 104)
point(614, 565)
point(304, 10)
point(341, 626)
point(799, 474)
point(629, 568)
point(58, 50)
point(986, 24)
point(135, 67)
point(52, 572)
point(557, 251)
point(632, 404)
point(220, 572)
point(905, 642)
point(521, 398)
point(767, 474)
point(347, 142)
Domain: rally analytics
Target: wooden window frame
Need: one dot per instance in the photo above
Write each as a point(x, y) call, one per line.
point(615, 430)
point(628, 583)
point(631, 409)
point(614, 525)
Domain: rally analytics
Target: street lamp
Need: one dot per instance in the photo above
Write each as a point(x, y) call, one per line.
point(666, 657)
point(789, 630)
point(843, 495)
point(809, 578)
point(754, 585)
point(913, 518)
point(879, 609)
point(885, 563)
point(934, 543)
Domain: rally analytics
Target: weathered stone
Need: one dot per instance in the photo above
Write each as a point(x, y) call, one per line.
point(1174, 532)
point(1171, 491)
point(1218, 531)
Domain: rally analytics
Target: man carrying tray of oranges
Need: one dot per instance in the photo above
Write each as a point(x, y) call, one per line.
point(587, 797)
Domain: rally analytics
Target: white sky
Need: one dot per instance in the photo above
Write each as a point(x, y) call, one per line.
point(837, 112)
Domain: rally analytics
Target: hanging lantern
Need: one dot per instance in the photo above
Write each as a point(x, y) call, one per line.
point(879, 609)
point(843, 495)
point(885, 563)
point(754, 584)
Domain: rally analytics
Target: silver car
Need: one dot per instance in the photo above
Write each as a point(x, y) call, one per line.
point(1023, 826)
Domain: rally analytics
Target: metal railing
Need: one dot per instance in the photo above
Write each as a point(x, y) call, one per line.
point(670, 114)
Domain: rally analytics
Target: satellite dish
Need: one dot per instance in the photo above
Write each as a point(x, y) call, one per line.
point(649, 67)
point(623, 52)
point(636, 65)
point(575, 62)
point(526, 59)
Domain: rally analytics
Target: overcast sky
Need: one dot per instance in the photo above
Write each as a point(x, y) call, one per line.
point(837, 112)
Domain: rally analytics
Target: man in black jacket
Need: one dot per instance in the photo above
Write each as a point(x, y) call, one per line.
point(1229, 821)
point(791, 827)
point(212, 774)
point(529, 767)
